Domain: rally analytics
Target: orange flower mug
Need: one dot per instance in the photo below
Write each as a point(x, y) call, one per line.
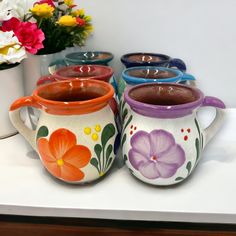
point(76, 132)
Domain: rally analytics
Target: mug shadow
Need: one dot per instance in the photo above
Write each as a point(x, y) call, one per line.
point(72, 185)
point(163, 187)
point(224, 154)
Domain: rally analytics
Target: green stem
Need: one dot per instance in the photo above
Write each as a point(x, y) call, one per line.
point(40, 22)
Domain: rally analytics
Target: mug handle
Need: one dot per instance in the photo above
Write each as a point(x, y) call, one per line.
point(178, 63)
point(15, 118)
point(188, 79)
point(211, 130)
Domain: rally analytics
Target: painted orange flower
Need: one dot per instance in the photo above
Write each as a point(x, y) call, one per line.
point(62, 157)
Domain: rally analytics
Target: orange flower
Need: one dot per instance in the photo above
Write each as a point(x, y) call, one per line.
point(62, 157)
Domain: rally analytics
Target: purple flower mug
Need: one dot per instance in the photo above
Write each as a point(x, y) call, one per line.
point(162, 139)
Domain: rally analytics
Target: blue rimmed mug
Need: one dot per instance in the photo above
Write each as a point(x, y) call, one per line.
point(151, 59)
point(151, 74)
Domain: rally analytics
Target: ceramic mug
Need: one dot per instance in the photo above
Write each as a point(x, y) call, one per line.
point(88, 58)
point(76, 131)
point(152, 59)
point(91, 58)
point(162, 138)
point(97, 72)
point(151, 74)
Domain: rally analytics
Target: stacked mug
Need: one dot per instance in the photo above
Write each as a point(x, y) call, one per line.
point(77, 135)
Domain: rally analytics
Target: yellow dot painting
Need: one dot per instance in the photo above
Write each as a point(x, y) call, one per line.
point(87, 130)
point(94, 137)
point(98, 128)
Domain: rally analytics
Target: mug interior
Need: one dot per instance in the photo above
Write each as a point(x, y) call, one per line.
point(84, 71)
point(149, 73)
point(164, 94)
point(146, 57)
point(88, 56)
point(73, 91)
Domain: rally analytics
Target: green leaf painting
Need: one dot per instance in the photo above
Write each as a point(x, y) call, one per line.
point(42, 132)
point(199, 142)
point(104, 152)
point(189, 167)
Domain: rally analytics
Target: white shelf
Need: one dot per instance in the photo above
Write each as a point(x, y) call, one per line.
point(208, 196)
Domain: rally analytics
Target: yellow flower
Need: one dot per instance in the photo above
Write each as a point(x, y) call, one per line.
point(79, 12)
point(67, 21)
point(69, 2)
point(42, 10)
point(4, 50)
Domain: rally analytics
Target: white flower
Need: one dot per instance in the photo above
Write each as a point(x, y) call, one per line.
point(14, 8)
point(11, 50)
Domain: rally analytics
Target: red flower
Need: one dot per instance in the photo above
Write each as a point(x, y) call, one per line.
point(27, 33)
point(49, 2)
point(30, 37)
point(80, 22)
point(12, 24)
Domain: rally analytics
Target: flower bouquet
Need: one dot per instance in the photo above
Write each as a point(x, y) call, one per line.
point(62, 24)
point(16, 37)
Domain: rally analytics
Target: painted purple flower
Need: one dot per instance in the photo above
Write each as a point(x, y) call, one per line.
point(155, 154)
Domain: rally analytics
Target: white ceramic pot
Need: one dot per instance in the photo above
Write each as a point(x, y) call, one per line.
point(11, 88)
point(35, 66)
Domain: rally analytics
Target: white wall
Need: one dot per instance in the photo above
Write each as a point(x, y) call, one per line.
point(201, 32)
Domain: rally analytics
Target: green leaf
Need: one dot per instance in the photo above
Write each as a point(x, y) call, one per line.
point(198, 128)
point(109, 163)
point(107, 133)
point(123, 140)
point(128, 121)
point(189, 166)
point(42, 132)
point(124, 114)
point(123, 104)
point(197, 145)
point(94, 162)
point(98, 150)
point(179, 179)
point(108, 151)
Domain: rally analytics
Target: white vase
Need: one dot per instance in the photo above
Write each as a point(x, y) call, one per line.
point(35, 66)
point(11, 88)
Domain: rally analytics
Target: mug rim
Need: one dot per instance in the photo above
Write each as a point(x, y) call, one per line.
point(74, 107)
point(124, 59)
point(108, 71)
point(106, 60)
point(164, 111)
point(132, 80)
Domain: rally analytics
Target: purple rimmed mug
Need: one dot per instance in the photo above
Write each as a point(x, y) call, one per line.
point(162, 139)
